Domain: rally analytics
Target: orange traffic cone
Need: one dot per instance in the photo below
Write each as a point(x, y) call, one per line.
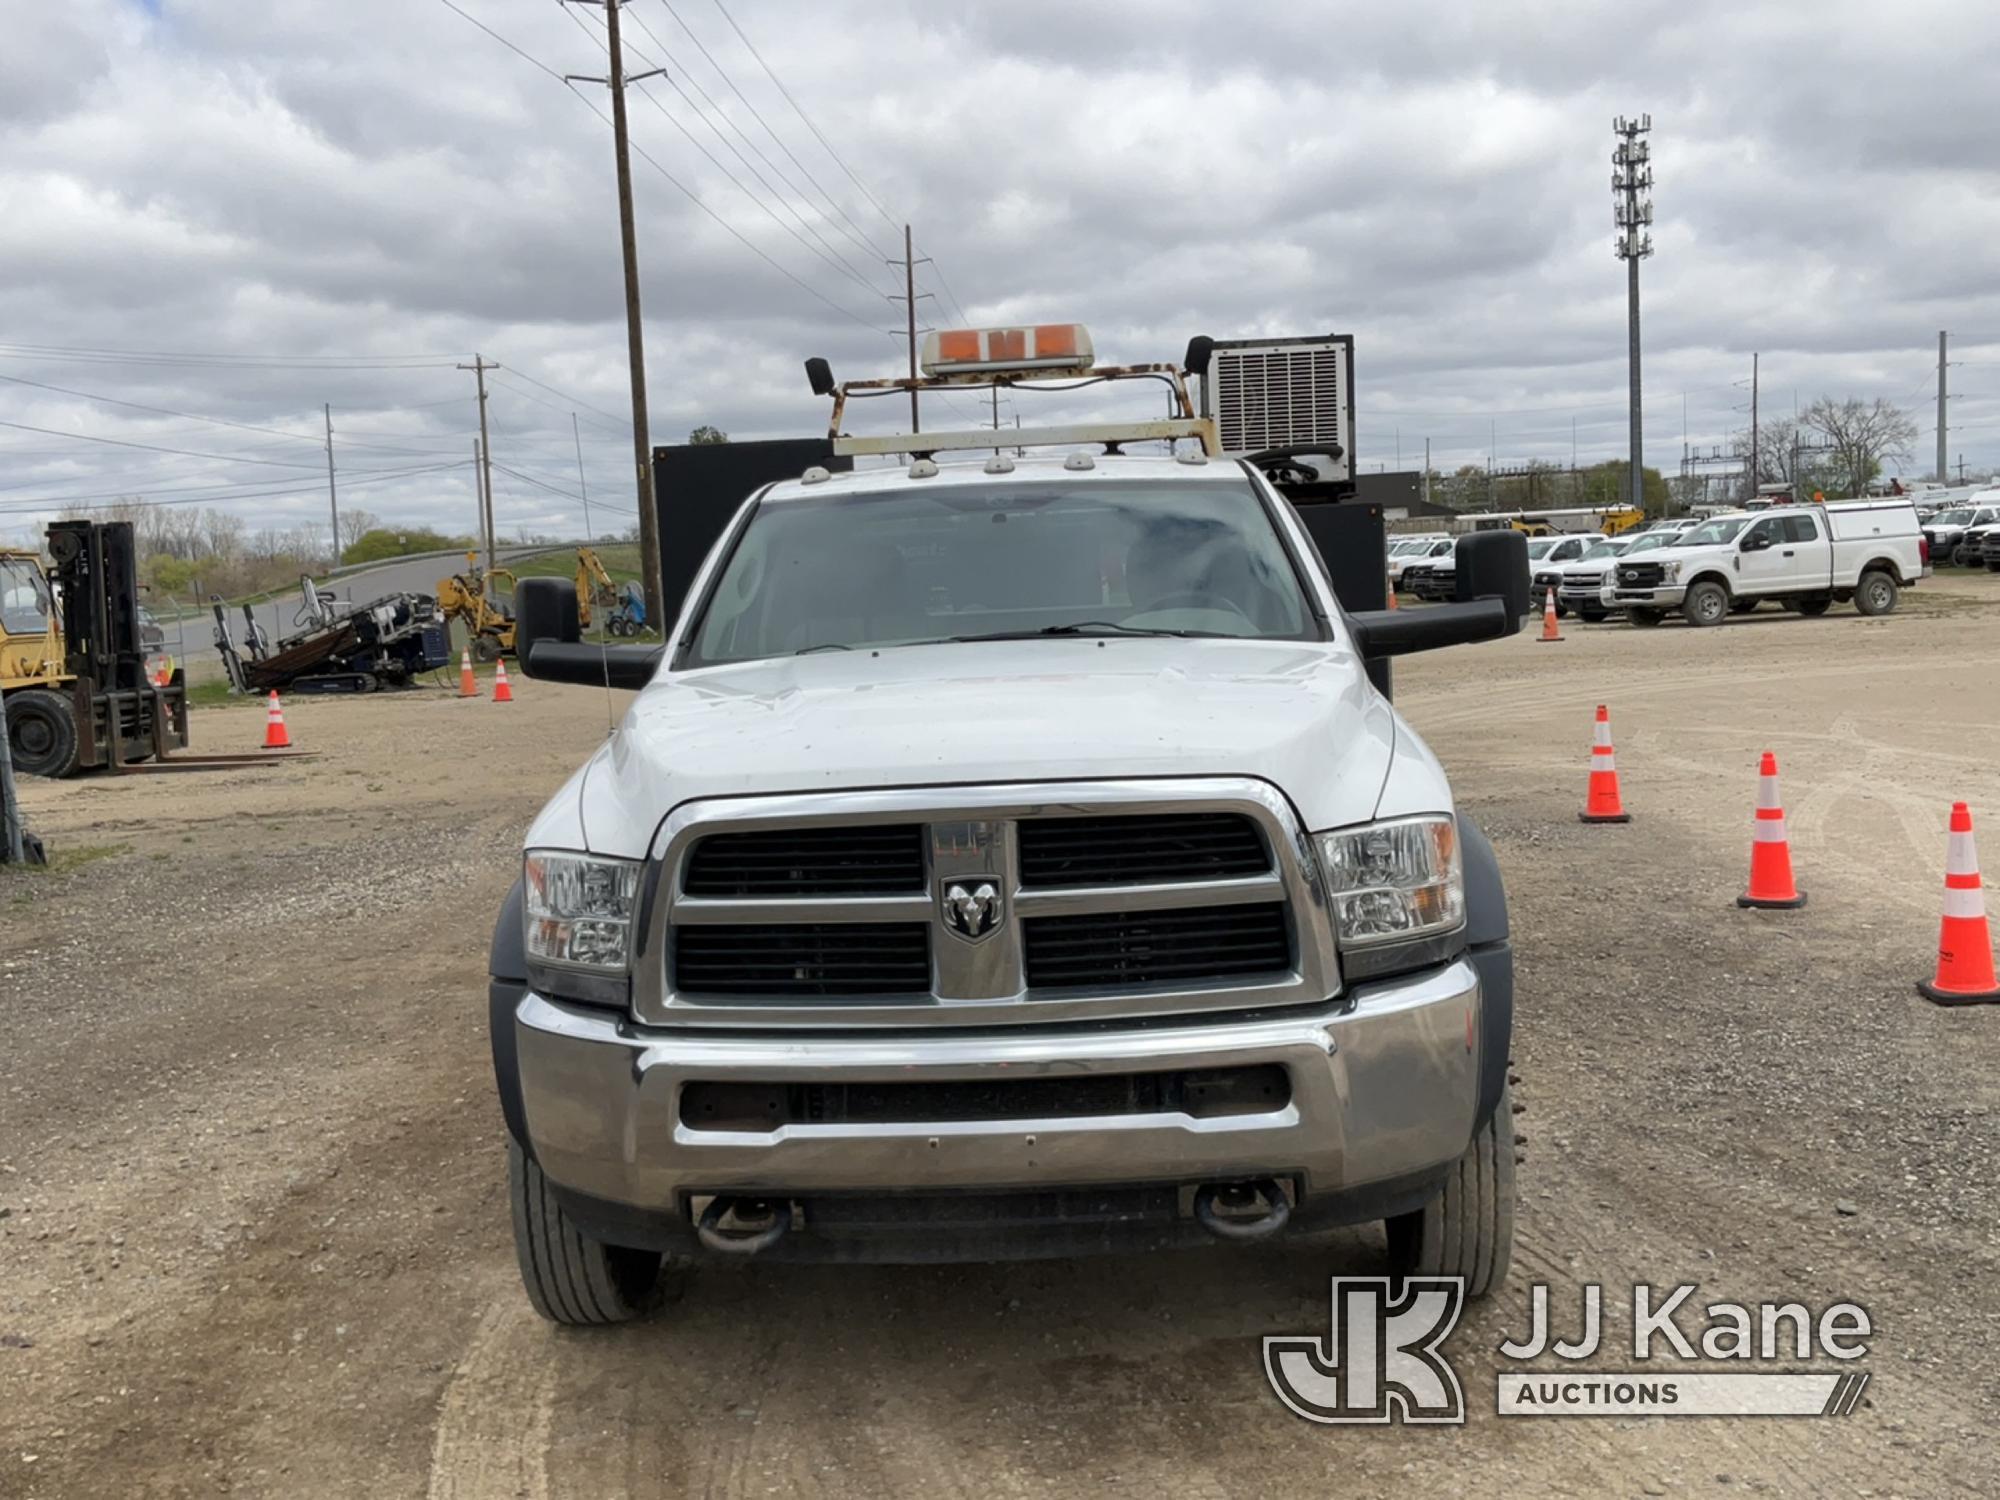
point(1602, 804)
point(1392, 594)
point(467, 688)
point(502, 693)
point(1770, 849)
point(1549, 631)
point(1965, 947)
point(276, 736)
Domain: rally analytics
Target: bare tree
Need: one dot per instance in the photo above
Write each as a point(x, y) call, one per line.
point(1862, 434)
point(354, 523)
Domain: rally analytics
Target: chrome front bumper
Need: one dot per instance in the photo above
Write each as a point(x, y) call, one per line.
point(1384, 1083)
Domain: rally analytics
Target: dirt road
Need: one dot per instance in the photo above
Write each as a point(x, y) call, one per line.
point(253, 1226)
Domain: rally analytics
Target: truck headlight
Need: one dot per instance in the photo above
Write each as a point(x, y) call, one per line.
point(580, 910)
point(1669, 571)
point(1397, 891)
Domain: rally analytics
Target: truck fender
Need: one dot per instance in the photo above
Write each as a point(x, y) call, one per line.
point(507, 982)
point(1491, 953)
point(1728, 587)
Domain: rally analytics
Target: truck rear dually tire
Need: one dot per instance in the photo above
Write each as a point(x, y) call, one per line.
point(1468, 1228)
point(1707, 603)
point(570, 1277)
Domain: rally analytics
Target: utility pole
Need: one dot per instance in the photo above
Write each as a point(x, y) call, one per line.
point(1632, 175)
point(1427, 471)
point(635, 335)
point(479, 366)
point(909, 263)
point(332, 504)
point(1943, 470)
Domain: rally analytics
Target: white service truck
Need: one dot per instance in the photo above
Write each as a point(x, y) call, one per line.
point(1005, 857)
point(1946, 529)
point(1807, 557)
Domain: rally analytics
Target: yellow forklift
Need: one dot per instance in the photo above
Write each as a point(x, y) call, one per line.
point(73, 663)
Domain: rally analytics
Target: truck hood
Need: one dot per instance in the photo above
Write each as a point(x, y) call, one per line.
point(1299, 715)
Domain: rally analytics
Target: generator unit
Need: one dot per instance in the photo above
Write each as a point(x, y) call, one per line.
point(1280, 396)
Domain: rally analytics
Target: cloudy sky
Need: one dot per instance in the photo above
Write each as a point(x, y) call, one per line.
point(217, 217)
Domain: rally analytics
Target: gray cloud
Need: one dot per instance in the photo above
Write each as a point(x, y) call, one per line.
point(378, 180)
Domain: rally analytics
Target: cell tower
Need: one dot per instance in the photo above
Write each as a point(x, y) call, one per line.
point(1631, 178)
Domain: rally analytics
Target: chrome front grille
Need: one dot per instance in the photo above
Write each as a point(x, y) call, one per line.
point(984, 906)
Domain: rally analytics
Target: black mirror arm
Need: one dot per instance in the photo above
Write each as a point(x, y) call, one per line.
point(1398, 632)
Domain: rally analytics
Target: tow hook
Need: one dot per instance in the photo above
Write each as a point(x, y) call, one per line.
point(1242, 1211)
point(755, 1225)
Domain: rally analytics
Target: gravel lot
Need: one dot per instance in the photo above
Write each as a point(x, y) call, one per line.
point(253, 1224)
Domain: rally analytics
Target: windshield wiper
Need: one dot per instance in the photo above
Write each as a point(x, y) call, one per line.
point(1086, 628)
point(823, 646)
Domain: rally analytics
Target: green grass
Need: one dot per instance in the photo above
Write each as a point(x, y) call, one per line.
point(64, 861)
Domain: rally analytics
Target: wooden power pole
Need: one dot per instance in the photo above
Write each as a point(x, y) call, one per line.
point(484, 478)
point(635, 334)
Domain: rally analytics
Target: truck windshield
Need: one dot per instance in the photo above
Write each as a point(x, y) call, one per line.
point(24, 597)
point(1953, 518)
point(1710, 533)
point(959, 561)
point(1652, 541)
point(1602, 550)
point(1539, 547)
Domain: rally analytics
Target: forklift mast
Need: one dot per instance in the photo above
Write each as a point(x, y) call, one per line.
point(97, 580)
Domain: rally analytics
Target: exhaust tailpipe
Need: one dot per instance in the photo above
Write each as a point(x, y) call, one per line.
point(743, 1226)
point(1242, 1211)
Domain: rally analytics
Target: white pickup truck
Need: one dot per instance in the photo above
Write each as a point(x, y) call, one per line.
point(1004, 858)
point(1807, 557)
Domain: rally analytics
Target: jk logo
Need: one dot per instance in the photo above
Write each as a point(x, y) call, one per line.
point(1379, 1362)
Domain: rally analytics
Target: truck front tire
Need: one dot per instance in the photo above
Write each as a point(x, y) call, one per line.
point(1876, 594)
point(41, 733)
point(1644, 618)
point(1468, 1228)
point(571, 1278)
point(1707, 603)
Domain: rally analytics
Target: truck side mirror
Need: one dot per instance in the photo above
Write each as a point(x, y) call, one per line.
point(1757, 541)
point(549, 646)
point(1493, 565)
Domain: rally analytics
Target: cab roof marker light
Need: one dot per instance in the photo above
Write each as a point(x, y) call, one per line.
point(999, 463)
point(815, 475)
point(923, 468)
point(1076, 463)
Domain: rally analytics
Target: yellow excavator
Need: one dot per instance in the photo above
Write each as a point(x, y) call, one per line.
point(489, 621)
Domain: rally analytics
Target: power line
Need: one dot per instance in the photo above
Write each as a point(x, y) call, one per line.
point(520, 374)
point(114, 498)
point(185, 416)
point(85, 437)
point(332, 362)
point(887, 217)
point(680, 186)
point(842, 262)
point(842, 219)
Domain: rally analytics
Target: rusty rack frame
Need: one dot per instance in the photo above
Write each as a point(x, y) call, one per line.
point(1109, 434)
